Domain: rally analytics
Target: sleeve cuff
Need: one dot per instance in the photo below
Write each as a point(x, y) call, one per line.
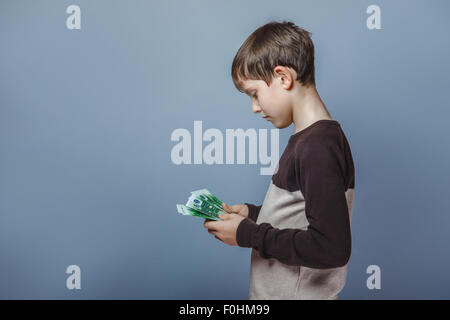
point(244, 233)
point(253, 211)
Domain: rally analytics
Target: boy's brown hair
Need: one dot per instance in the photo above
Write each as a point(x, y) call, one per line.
point(275, 43)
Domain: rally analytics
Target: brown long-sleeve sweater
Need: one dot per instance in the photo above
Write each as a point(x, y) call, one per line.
point(300, 236)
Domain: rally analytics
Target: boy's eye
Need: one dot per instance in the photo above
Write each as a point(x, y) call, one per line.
point(255, 96)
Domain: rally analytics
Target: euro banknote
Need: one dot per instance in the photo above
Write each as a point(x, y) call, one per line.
point(203, 204)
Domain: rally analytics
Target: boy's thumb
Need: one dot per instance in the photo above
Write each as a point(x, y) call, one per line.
point(227, 208)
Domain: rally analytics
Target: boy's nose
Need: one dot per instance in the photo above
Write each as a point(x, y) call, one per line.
point(256, 108)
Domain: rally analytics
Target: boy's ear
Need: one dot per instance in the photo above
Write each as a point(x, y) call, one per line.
point(285, 75)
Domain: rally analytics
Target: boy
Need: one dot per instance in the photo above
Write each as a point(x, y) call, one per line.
point(300, 236)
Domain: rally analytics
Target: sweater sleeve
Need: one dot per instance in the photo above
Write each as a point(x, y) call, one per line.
point(327, 241)
point(253, 211)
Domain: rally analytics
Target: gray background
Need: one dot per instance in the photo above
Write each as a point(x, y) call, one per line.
point(86, 118)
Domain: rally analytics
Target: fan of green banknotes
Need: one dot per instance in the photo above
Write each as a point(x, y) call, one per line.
point(203, 204)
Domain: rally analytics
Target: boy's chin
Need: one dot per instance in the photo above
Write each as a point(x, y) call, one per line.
point(279, 125)
point(274, 122)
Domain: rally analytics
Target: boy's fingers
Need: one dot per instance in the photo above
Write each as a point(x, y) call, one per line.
point(226, 207)
point(229, 209)
point(212, 225)
point(224, 216)
point(216, 234)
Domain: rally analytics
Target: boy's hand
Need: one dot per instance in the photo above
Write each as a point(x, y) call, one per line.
point(240, 209)
point(225, 230)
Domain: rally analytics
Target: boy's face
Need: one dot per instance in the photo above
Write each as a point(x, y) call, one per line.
point(272, 102)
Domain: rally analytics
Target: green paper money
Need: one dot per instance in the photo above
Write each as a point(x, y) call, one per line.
point(204, 204)
point(206, 195)
point(194, 213)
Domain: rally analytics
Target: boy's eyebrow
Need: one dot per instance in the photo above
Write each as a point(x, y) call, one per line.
point(247, 91)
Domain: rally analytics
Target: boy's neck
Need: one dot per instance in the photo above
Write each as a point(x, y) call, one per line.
point(308, 108)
